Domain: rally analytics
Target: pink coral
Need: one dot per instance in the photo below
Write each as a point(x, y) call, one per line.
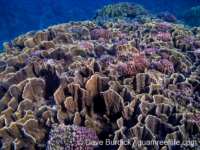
point(149, 51)
point(120, 35)
point(138, 58)
point(132, 68)
point(164, 65)
point(71, 137)
point(83, 135)
point(36, 53)
point(87, 45)
point(164, 55)
point(196, 117)
point(122, 42)
point(187, 41)
point(186, 90)
point(164, 36)
point(163, 26)
point(138, 65)
point(102, 40)
point(101, 33)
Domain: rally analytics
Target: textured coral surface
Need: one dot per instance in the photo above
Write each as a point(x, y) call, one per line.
point(122, 81)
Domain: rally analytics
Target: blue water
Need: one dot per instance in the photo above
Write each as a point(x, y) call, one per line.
point(19, 17)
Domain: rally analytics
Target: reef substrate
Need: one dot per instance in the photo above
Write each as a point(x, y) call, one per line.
point(134, 81)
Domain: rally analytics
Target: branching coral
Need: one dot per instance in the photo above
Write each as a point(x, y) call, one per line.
point(164, 55)
point(163, 26)
point(102, 40)
point(132, 68)
point(148, 51)
point(101, 33)
point(87, 45)
point(164, 36)
point(120, 36)
point(188, 41)
point(164, 65)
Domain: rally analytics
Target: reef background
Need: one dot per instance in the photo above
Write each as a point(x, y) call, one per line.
point(18, 17)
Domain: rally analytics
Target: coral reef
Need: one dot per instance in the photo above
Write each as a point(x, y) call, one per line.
point(123, 81)
point(121, 11)
point(49, 12)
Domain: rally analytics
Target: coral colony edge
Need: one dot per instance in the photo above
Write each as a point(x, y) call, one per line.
point(129, 80)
